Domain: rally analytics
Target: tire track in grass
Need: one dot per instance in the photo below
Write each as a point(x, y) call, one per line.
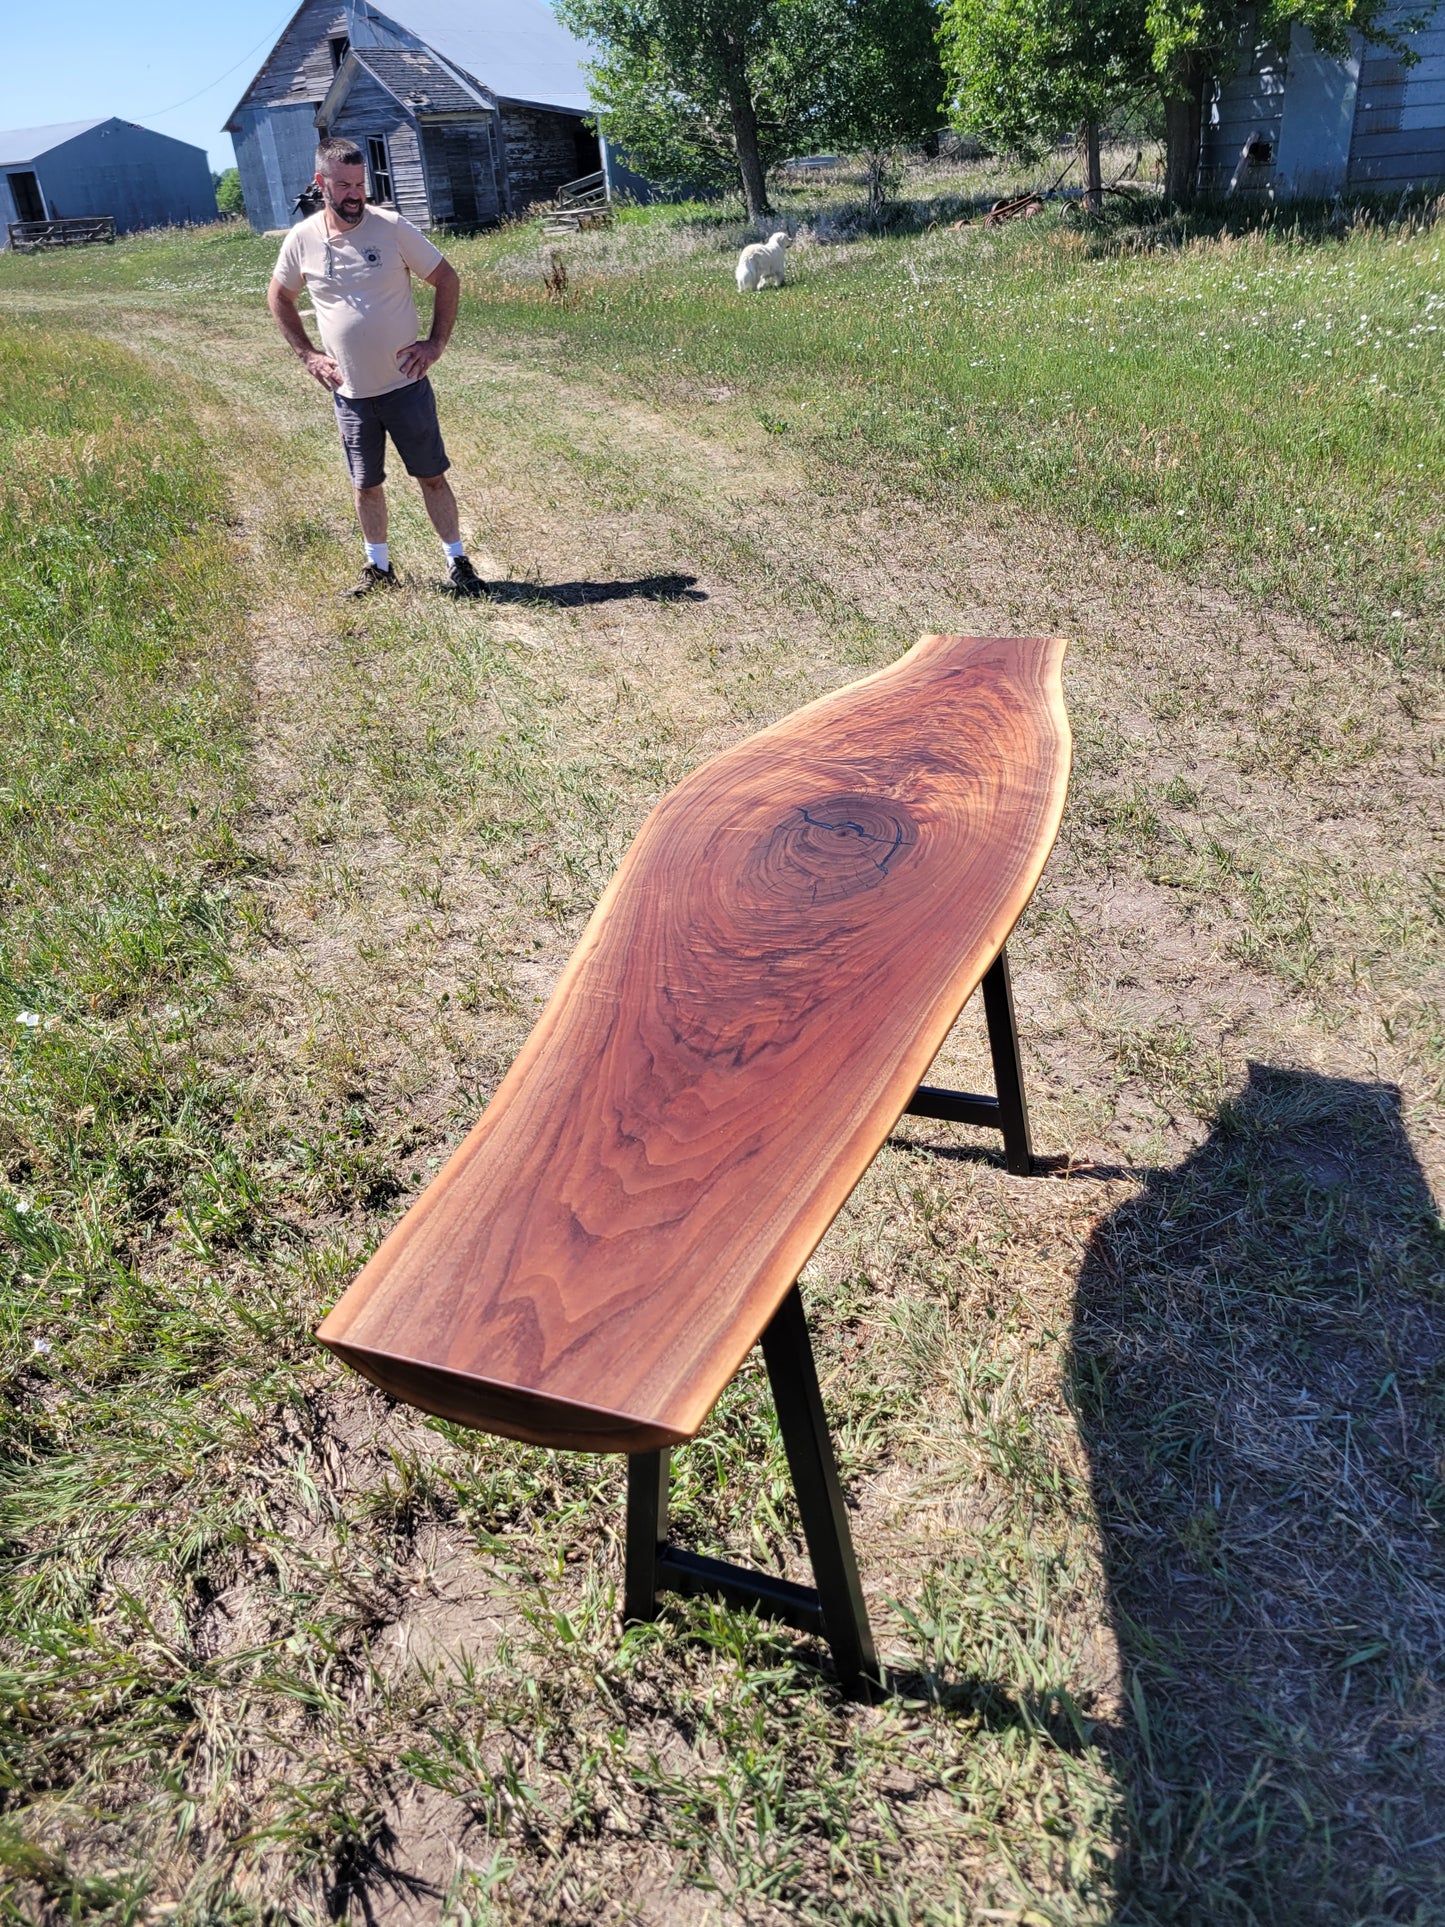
point(362, 791)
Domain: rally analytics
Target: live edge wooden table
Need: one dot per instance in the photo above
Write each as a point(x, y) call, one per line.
point(751, 1009)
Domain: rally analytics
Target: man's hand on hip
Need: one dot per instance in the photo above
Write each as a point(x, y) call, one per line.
point(322, 368)
point(415, 361)
point(281, 300)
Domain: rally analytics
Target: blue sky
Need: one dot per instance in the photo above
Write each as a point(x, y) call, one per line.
point(162, 62)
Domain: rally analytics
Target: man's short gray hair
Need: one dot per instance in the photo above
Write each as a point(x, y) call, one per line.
point(337, 151)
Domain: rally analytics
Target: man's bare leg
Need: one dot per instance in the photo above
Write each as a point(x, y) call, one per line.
point(441, 508)
point(371, 512)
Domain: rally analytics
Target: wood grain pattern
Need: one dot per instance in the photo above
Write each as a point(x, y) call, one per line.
point(762, 986)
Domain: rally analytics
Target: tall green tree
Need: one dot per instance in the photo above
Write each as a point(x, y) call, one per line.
point(711, 91)
point(229, 198)
point(884, 84)
point(1026, 74)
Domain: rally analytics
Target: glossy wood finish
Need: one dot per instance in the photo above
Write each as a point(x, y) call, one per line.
point(759, 991)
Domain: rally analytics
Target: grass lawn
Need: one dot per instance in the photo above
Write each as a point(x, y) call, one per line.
point(1147, 1455)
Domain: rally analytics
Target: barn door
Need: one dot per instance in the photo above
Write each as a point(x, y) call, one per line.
point(25, 192)
point(457, 147)
point(588, 149)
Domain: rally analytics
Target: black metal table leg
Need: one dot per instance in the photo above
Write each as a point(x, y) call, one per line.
point(647, 1481)
point(1008, 1070)
point(804, 1426)
point(835, 1607)
point(1008, 1112)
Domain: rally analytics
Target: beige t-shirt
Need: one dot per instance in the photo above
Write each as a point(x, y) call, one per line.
point(360, 285)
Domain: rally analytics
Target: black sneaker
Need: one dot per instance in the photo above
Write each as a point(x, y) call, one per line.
point(463, 580)
point(371, 578)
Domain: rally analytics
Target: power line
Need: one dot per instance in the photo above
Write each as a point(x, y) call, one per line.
point(160, 113)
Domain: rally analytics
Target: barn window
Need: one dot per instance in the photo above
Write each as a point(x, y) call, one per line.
point(340, 46)
point(380, 163)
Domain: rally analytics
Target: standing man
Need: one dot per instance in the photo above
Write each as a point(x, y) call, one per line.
point(358, 262)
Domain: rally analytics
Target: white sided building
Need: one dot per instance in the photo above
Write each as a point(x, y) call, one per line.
point(1294, 123)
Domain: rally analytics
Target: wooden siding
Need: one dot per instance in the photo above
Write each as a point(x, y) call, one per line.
point(299, 67)
point(272, 128)
point(1397, 137)
point(1389, 161)
point(541, 153)
point(439, 173)
point(408, 176)
point(1242, 111)
point(461, 169)
point(370, 109)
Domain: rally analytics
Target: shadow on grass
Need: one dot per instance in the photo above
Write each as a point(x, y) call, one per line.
point(1258, 1363)
point(1063, 1170)
point(1136, 217)
point(571, 595)
point(1143, 223)
point(370, 1887)
point(995, 1705)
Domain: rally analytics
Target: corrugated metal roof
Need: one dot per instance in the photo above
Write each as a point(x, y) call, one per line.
point(517, 49)
point(23, 144)
point(419, 82)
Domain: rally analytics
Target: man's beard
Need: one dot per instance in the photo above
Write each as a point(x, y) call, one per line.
point(348, 211)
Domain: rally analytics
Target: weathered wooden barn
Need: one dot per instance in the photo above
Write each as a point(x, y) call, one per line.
point(98, 167)
point(468, 111)
point(1292, 122)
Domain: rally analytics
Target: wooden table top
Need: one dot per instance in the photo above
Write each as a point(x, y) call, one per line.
point(761, 988)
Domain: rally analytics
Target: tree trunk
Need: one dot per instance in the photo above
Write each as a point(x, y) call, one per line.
point(875, 172)
point(1091, 172)
point(745, 140)
point(1183, 118)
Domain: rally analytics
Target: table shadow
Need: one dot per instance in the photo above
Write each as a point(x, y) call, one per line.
point(1257, 1367)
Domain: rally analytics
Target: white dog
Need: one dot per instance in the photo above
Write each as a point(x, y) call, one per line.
point(762, 264)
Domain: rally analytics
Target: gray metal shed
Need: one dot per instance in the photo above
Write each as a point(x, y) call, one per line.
point(97, 167)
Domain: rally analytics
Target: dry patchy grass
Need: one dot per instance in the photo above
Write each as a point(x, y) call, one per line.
point(1145, 1454)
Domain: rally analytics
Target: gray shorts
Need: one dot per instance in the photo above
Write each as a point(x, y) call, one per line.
point(408, 415)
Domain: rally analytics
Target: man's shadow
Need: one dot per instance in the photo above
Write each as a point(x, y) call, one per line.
point(1258, 1370)
point(572, 595)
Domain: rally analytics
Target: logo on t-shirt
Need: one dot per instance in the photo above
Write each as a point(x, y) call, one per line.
point(370, 256)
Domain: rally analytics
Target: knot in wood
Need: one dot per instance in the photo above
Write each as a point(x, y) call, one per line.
point(829, 849)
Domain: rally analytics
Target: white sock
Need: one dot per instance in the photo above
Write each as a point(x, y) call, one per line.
point(378, 554)
point(454, 549)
